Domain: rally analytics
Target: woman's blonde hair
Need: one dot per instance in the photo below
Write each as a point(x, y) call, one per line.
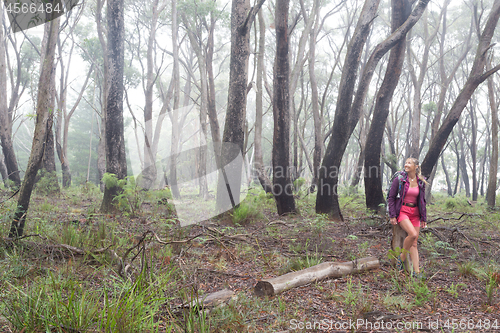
point(419, 171)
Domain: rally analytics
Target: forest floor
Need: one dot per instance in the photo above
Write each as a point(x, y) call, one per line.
point(80, 271)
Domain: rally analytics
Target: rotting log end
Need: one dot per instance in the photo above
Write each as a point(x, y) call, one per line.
point(264, 288)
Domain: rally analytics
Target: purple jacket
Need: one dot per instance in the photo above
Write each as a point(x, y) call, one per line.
point(395, 203)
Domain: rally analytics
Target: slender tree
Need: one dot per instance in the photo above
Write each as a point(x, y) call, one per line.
point(242, 17)
point(492, 178)
point(476, 76)
point(258, 159)
point(44, 117)
point(348, 111)
point(373, 180)
point(5, 119)
point(282, 184)
point(115, 142)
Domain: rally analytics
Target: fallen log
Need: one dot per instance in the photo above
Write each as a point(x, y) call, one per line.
point(271, 287)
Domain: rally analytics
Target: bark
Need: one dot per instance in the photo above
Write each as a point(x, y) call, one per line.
point(274, 286)
point(282, 183)
point(115, 142)
point(373, 181)
point(3, 170)
point(348, 111)
point(492, 177)
point(43, 119)
point(258, 158)
point(477, 76)
point(5, 120)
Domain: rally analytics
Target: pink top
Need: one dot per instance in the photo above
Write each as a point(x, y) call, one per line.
point(411, 195)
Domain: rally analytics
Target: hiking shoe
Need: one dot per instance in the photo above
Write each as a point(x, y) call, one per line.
point(400, 266)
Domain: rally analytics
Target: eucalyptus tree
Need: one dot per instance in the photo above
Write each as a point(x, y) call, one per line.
point(348, 111)
point(492, 177)
point(115, 141)
point(66, 45)
point(259, 107)
point(148, 18)
point(242, 18)
point(43, 120)
point(421, 59)
point(282, 184)
point(373, 180)
point(12, 170)
point(476, 76)
point(200, 19)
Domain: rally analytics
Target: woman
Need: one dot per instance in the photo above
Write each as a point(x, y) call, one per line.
point(408, 210)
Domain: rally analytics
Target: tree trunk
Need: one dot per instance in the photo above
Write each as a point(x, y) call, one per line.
point(115, 142)
point(274, 286)
point(258, 158)
point(447, 176)
point(228, 189)
point(5, 121)
point(282, 184)
point(373, 180)
point(174, 144)
point(473, 150)
point(150, 172)
point(101, 149)
point(43, 118)
point(492, 177)
point(457, 154)
point(49, 158)
point(463, 165)
point(476, 77)
point(318, 135)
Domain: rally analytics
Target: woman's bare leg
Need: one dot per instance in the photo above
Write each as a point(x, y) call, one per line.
point(414, 253)
point(410, 239)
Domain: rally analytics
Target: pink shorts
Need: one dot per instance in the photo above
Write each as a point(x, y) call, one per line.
point(410, 213)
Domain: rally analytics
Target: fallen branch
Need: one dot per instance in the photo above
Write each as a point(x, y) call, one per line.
point(322, 271)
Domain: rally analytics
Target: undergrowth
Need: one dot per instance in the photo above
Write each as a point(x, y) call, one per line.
point(82, 271)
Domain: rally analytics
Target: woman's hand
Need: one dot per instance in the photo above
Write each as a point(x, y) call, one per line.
point(423, 224)
point(394, 221)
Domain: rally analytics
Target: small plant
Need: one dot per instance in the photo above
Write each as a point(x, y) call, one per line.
point(396, 302)
point(468, 268)
point(421, 291)
point(363, 248)
point(319, 224)
point(132, 195)
point(455, 288)
point(492, 284)
point(354, 298)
